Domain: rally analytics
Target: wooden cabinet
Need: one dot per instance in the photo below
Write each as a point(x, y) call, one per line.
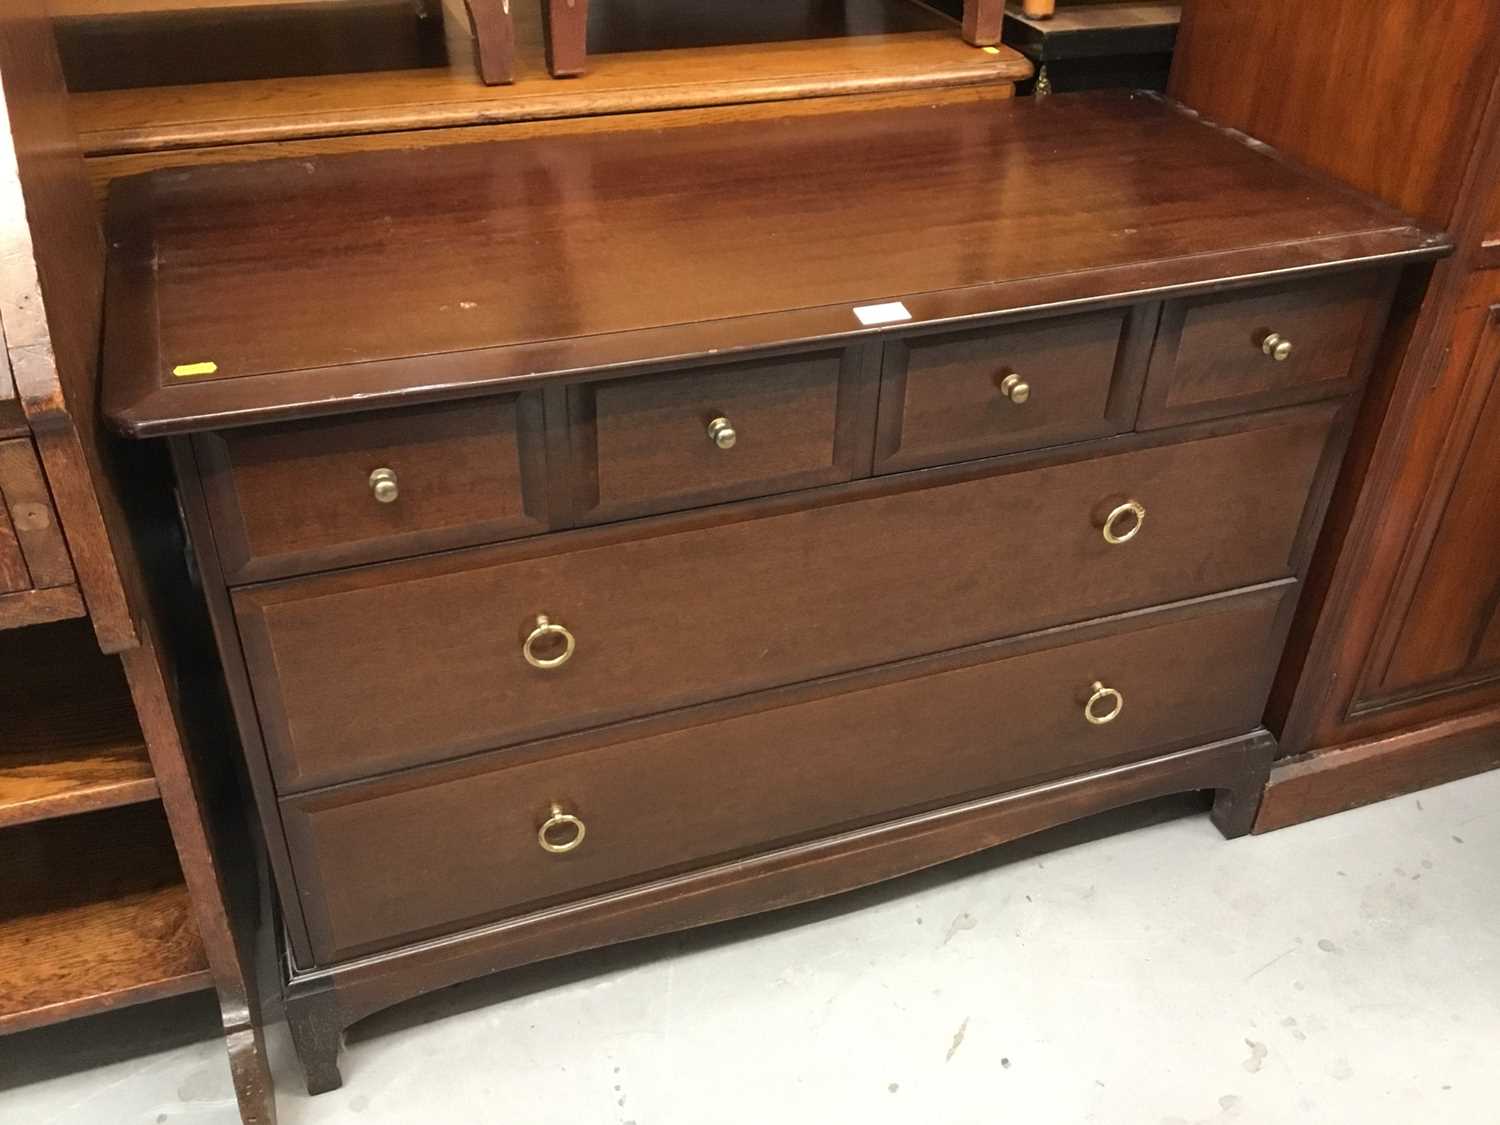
point(1391, 681)
point(1441, 632)
point(816, 592)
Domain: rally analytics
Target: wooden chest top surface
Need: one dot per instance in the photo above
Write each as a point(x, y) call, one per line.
point(240, 294)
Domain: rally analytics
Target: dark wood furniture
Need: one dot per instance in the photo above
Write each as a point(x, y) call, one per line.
point(113, 892)
point(574, 588)
point(571, 25)
point(1091, 46)
point(1393, 679)
point(715, 76)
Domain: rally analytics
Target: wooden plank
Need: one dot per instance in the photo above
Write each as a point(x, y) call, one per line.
point(103, 170)
point(69, 738)
point(24, 494)
point(1332, 781)
point(59, 781)
point(35, 607)
point(790, 227)
point(94, 916)
point(158, 118)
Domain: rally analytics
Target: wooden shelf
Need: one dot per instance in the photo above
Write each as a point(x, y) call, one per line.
point(93, 915)
point(69, 739)
point(160, 119)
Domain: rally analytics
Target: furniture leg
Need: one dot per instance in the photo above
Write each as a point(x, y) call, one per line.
point(250, 1072)
point(312, 1014)
point(566, 33)
point(494, 40)
point(1235, 806)
point(982, 21)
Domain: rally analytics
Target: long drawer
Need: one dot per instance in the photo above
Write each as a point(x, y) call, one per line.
point(404, 857)
point(392, 666)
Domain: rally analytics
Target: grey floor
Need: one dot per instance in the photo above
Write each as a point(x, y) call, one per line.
point(1134, 969)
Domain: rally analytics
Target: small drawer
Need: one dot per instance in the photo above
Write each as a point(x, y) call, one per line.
point(312, 495)
point(384, 667)
point(684, 439)
point(947, 397)
point(1262, 348)
point(412, 856)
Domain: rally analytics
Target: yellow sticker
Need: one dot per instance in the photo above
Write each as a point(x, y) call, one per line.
point(990, 50)
point(188, 370)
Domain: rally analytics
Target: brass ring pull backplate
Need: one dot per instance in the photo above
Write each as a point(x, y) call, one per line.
point(1112, 534)
point(560, 820)
point(1101, 694)
point(543, 628)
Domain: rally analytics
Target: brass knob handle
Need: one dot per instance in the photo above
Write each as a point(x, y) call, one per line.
point(561, 832)
point(722, 434)
point(1016, 389)
point(1116, 530)
point(1101, 695)
point(1277, 346)
point(383, 485)
point(543, 629)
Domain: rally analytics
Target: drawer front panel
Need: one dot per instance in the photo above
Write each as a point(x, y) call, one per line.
point(663, 442)
point(956, 396)
point(289, 499)
point(1217, 355)
point(392, 666)
point(396, 859)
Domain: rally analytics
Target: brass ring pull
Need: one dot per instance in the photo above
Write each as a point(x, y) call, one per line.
point(577, 830)
point(1112, 534)
point(545, 627)
point(1102, 693)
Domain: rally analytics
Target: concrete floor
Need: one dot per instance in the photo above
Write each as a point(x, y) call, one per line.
point(1346, 970)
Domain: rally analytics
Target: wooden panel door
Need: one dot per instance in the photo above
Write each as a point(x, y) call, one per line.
point(1444, 631)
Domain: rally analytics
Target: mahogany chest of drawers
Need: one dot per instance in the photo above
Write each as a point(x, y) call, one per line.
point(614, 534)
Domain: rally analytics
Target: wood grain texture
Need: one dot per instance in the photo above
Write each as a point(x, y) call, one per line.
point(69, 739)
point(95, 915)
point(941, 398)
point(51, 306)
point(565, 24)
point(1399, 131)
point(1235, 768)
point(1429, 91)
point(166, 118)
point(35, 607)
point(463, 842)
point(14, 577)
point(288, 499)
point(1209, 359)
point(31, 517)
point(978, 559)
point(1337, 779)
point(104, 169)
point(131, 44)
point(770, 254)
point(642, 444)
